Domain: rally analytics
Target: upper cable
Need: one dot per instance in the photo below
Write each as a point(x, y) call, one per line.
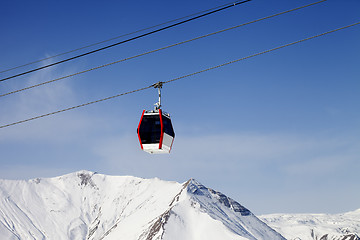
point(124, 41)
point(159, 49)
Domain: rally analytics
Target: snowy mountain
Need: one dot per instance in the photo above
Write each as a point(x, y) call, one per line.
point(316, 226)
point(85, 205)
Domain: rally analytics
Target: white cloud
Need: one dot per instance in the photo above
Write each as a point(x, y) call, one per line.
point(284, 171)
point(42, 100)
point(288, 154)
point(25, 172)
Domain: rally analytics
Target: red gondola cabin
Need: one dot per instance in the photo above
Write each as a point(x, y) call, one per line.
point(155, 132)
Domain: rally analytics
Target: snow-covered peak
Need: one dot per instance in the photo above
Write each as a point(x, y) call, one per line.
point(197, 189)
point(87, 205)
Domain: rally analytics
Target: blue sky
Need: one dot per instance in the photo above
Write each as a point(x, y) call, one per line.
point(278, 132)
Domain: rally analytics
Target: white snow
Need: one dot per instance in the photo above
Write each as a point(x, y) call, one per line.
point(187, 223)
point(84, 205)
point(315, 226)
point(203, 213)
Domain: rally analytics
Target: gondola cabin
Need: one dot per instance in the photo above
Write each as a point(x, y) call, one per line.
point(155, 132)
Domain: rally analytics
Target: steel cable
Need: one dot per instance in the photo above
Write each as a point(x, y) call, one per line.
point(74, 107)
point(117, 37)
point(121, 42)
point(159, 49)
point(182, 77)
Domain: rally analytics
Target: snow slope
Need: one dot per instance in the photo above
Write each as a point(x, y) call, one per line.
point(316, 226)
point(85, 205)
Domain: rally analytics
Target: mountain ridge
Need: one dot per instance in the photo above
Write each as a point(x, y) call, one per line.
point(92, 206)
point(88, 205)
